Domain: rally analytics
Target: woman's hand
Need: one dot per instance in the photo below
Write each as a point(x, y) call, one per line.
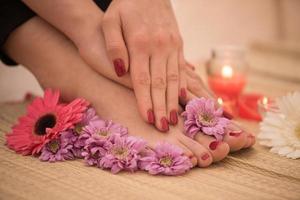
point(143, 34)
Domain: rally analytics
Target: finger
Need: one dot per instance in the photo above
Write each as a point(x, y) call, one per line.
point(141, 81)
point(158, 90)
point(196, 85)
point(182, 77)
point(115, 44)
point(172, 87)
point(190, 66)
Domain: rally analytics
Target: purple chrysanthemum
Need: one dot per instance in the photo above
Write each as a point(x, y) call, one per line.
point(57, 150)
point(201, 115)
point(103, 130)
point(94, 150)
point(89, 116)
point(72, 137)
point(123, 154)
point(166, 159)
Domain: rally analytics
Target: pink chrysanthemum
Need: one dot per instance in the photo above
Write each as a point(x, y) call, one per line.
point(166, 159)
point(88, 117)
point(57, 150)
point(103, 130)
point(71, 137)
point(94, 150)
point(124, 154)
point(201, 115)
point(44, 120)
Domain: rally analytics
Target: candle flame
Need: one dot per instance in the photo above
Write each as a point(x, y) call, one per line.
point(227, 71)
point(220, 101)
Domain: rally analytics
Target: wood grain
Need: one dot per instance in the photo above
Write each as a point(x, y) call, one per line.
point(249, 174)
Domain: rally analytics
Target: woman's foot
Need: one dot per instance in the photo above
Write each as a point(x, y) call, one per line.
point(118, 103)
point(57, 64)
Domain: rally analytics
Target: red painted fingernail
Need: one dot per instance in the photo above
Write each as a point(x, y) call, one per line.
point(150, 115)
point(119, 67)
point(173, 117)
point(183, 93)
point(205, 156)
point(235, 134)
point(164, 124)
point(213, 145)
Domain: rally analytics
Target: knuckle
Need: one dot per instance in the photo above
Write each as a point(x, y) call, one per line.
point(114, 47)
point(161, 39)
point(140, 40)
point(143, 79)
point(172, 77)
point(107, 20)
point(158, 83)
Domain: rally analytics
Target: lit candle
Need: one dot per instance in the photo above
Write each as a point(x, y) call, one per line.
point(227, 84)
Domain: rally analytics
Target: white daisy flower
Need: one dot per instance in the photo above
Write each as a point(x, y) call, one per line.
point(281, 130)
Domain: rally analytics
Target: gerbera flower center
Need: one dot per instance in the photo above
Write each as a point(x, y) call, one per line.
point(120, 152)
point(206, 119)
point(53, 146)
point(44, 122)
point(166, 161)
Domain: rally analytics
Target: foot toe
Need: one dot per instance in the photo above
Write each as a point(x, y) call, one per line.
point(218, 149)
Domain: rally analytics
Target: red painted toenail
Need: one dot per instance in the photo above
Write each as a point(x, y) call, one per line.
point(164, 124)
point(235, 134)
point(150, 115)
point(205, 156)
point(213, 145)
point(173, 117)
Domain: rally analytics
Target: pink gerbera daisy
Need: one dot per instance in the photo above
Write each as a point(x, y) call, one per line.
point(44, 120)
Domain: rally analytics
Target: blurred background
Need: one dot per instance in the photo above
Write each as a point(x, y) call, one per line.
point(269, 25)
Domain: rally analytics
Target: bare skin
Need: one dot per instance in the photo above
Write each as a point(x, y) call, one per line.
point(55, 61)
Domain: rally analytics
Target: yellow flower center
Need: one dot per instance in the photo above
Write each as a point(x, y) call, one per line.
point(53, 146)
point(103, 133)
point(78, 129)
point(206, 119)
point(166, 161)
point(120, 152)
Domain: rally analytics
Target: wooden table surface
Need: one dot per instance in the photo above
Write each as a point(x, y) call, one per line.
point(249, 174)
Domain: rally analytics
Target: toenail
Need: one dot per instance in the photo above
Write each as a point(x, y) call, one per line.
point(205, 156)
point(235, 134)
point(213, 145)
point(164, 124)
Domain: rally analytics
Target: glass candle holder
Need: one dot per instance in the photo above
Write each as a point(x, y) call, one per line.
point(265, 105)
point(226, 72)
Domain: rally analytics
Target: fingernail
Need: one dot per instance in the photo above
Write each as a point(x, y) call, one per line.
point(119, 67)
point(213, 145)
point(164, 124)
point(150, 115)
point(235, 134)
point(173, 117)
point(183, 93)
point(205, 156)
